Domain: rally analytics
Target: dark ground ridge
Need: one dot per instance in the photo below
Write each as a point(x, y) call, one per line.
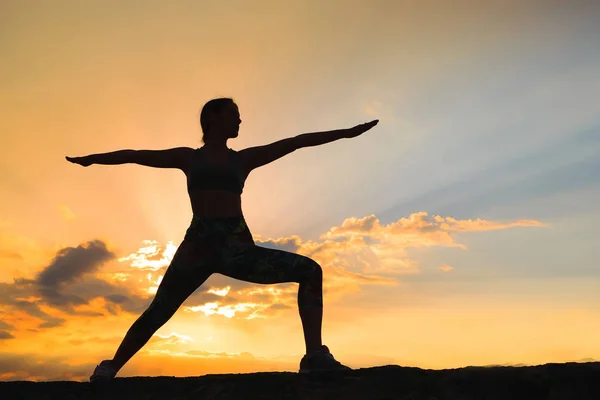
point(564, 381)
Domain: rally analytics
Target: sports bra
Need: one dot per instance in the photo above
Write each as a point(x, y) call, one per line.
point(228, 176)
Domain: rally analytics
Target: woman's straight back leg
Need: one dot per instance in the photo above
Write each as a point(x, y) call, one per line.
point(191, 266)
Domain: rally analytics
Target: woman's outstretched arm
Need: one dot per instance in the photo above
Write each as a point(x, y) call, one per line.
point(255, 157)
point(318, 138)
point(170, 158)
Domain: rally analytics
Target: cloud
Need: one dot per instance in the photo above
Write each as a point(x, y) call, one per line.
point(220, 292)
point(67, 286)
point(279, 307)
point(369, 246)
point(414, 231)
point(69, 264)
point(5, 326)
point(151, 256)
point(17, 297)
point(117, 298)
point(246, 310)
point(420, 224)
point(290, 243)
point(358, 252)
point(469, 225)
point(169, 340)
point(361, 251)
point(6, 335)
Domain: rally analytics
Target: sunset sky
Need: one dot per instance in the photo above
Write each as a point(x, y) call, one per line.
point(461, 230)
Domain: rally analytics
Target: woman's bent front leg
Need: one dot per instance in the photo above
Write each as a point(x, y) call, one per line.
point(267, 266)
point(310, 307)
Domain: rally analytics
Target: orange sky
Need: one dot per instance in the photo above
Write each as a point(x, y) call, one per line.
point(460, 231)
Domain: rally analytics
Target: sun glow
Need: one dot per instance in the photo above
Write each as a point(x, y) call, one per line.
point(150, 256)
point(230, 310)
point(220, 292)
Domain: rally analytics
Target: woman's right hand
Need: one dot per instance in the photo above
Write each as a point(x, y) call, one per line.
point(83, 161)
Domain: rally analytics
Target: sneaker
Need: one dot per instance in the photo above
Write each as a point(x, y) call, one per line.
point(321, 360)
point(103, 372)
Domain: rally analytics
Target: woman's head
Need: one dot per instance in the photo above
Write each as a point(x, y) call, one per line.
point(220, 117)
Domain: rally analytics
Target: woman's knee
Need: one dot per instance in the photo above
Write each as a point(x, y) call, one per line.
point(317, 270)
point(313, 270)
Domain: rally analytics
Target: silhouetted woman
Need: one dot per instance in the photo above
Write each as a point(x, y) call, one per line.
point(218, 239)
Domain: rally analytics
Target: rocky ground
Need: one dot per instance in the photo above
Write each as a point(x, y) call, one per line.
point(572, 381)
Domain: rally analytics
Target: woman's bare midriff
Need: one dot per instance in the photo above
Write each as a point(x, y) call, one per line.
point(216, 203)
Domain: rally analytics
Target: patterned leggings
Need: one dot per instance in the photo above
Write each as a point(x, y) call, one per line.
point(225, 246)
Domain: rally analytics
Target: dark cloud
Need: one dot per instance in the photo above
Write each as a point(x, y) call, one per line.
point(6, 335)
point(31, 308)
point(67, 301)
point(92, 287)
point(130, 303)
point(89, 313)
point(112, 308)
point(135, 304)
point(51, 324)
point(69, 264)
point(24, 282)
point(68, 282)
point(6, 326)
point(116, 298)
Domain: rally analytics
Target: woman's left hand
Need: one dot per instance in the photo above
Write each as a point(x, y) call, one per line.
point(360, 129)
